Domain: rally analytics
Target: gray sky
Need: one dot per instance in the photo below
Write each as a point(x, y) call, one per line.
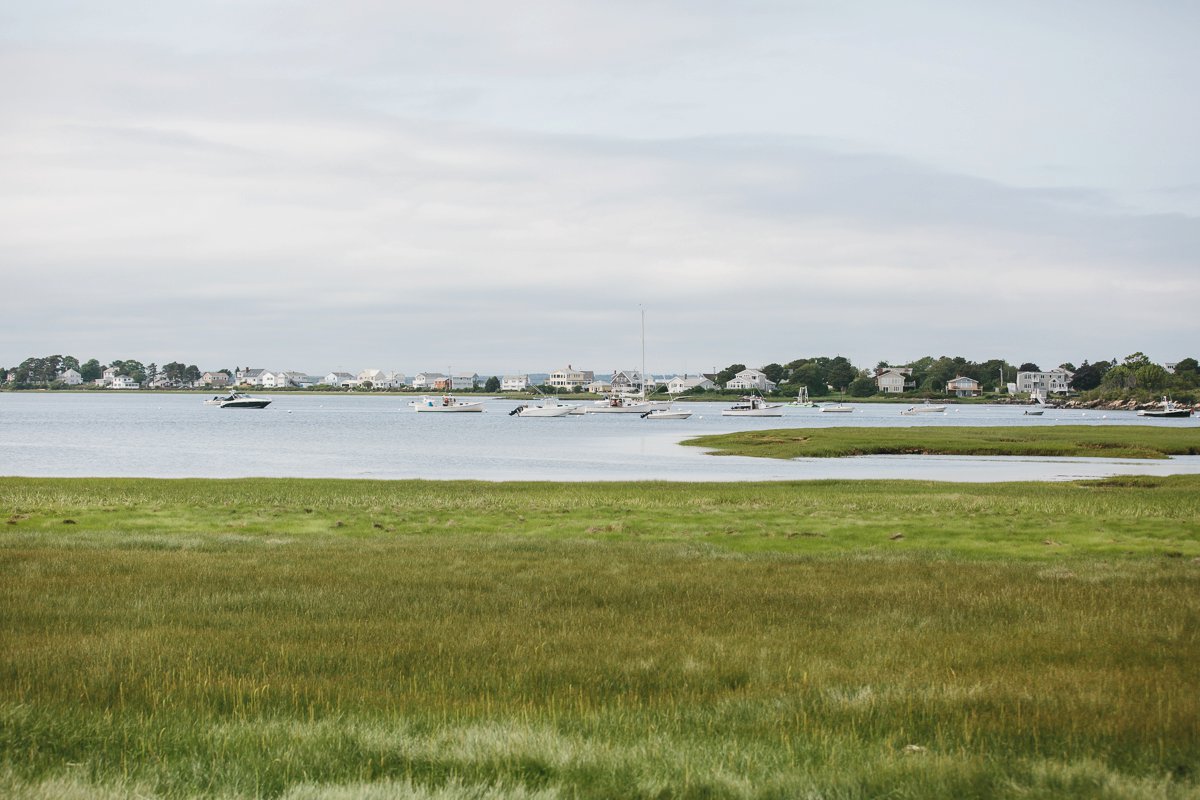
point(499, 187)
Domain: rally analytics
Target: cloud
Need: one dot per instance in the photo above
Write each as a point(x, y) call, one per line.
point(357, 184)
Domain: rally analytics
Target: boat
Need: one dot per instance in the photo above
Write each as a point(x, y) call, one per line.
point(623, 403)
point(802, 400)
point(620, 404)
point(753, 406)
point(666, 412)
point(836, 408)
point(1034, 412)
point(549, 407)
point(238, 400)
point(446, 403)
point(1168, 411)
point(925, 408)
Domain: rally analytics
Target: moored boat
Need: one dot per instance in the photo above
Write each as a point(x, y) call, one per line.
point(446, 403)
point(549, 407)
point(837, 408)
point(238, 400)
point(753, 406)
point(1168, 411)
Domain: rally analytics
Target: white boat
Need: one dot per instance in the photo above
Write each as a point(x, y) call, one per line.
point(753, 407)
point(1034, 412)
point(1168, 411)
point(836, 408)
point(238, 400)
point(446, 403)
point(802, 400)
point(925, 408)
point(620, 404)
point(549, 407)
point(666, 412)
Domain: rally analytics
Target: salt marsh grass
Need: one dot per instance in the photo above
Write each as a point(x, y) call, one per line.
point(313, 639)
point(1096, 441)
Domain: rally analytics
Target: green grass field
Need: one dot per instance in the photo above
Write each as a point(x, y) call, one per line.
point(1096, 441)
point(303, 639)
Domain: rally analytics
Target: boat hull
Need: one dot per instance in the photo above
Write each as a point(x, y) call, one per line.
point(545, 411)
point(753, 412)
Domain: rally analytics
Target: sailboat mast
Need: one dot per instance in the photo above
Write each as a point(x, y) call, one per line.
point(643, 352)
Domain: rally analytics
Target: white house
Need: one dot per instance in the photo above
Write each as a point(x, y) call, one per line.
point(381, 379)
point(894, 380)
point(124, 382)
point(428, 380)
point(751, 379)
point(464, 381)
point(963, 387)
point(250, 377)
point(514, 383)
point(683, 383)
point(1056, 380)
point(338, 379)
point(570, 378)
point(629, 380)
point(216, 379)
point(70, 377)
point(598, 387)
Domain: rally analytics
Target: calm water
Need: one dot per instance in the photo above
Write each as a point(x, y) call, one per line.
point(175, 436)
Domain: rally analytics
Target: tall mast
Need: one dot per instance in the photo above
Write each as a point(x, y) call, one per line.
point(643, 352)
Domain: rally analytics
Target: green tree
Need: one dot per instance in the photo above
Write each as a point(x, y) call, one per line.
point(1087, 377)
point(863, 386)
point(726, 375)
point(1151, 377)
point(91, 370)
point(1138, 359)
point(1029, 366)
point(841, 373)
point(775, 373)
point(1187, 365)
point(492, 386)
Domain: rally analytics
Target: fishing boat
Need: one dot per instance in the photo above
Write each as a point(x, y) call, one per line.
point(445, 403)
point(802, 400)
point(238, 400)
point(753, 406)
point(1168, 411)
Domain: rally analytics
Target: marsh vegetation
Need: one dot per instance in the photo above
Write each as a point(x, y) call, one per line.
point(291, 638)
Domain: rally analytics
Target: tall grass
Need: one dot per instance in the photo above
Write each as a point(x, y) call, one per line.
point(1096, 441)
point(150, 649)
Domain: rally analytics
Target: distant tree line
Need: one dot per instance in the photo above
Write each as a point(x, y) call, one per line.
point(1136, 374)
point(45, 372)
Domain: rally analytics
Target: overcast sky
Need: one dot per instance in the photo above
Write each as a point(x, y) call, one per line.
point(502, 187)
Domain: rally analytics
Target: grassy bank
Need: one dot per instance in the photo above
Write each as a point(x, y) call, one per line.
point(1106, 441)
point(352, 638)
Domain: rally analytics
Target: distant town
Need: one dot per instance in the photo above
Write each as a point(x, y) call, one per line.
point(817, 376)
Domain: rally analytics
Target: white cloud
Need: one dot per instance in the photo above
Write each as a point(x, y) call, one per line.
point(340, 179)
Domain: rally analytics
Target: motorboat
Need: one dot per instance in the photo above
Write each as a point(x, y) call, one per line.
point(836, 408)
point(666, 412)
point(549, 407)
point(446, 403)
point(802, 400)
point(1034, 412)
point(925, 408)
point(1168, 411)
point(238, 400)
point(619, 404)
point(753, 406)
